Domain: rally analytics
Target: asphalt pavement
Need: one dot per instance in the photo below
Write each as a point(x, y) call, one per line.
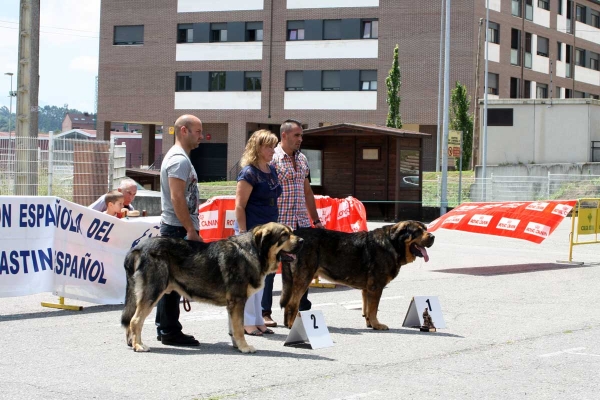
point(518, 325)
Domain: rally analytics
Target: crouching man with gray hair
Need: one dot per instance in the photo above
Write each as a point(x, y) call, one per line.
point(129, 189)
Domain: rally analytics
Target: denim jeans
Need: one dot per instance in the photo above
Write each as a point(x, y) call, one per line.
point(167, 309)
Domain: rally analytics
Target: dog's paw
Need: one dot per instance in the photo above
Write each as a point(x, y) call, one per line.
point(141, 348)
point(380, 327)
point(247, 349)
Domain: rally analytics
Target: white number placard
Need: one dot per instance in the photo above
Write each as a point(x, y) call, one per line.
point(310, 327)
point(418, 304)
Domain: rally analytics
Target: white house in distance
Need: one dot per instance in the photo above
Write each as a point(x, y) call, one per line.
point(542, 131)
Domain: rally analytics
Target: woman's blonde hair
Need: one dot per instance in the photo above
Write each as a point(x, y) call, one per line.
point(259, 138)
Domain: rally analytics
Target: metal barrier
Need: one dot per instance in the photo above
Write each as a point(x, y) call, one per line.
point(586, 213)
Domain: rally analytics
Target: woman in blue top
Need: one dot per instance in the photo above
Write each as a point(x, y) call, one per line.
point(256, 203)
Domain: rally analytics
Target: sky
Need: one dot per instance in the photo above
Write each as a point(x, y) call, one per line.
point(69, 38)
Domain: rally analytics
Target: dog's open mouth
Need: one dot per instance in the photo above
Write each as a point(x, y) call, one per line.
point(288, 257)
point(419, 251)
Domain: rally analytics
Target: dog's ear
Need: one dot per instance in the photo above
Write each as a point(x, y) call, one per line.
point(401, 229)
point(264, 240)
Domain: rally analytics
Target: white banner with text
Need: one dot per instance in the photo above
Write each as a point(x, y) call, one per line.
point(49, 244)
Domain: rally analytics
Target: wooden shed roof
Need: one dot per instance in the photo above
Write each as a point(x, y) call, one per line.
point(352, 129)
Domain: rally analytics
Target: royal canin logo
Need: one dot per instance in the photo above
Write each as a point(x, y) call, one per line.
point(324, 214)
point(465, 208)
point(229, 219)
point(533, 228)
point(455, 219)
point(480, 220)
point(343, 210)
point(508, 224)
point(513, 205)
point(488, 206)
point(562, 210)
point(433, 223)
point(537, 206)
point(209, 219)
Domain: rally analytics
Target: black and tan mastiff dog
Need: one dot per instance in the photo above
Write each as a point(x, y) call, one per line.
point(223, 273)
point(362, 260)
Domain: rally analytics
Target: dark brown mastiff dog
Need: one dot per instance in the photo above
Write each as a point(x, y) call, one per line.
point(362, 260)
point(224, 273)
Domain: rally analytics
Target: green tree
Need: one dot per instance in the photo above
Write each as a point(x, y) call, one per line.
point(462, 120)
point(394, 120)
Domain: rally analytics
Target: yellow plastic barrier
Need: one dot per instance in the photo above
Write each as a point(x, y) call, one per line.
point(586, 212)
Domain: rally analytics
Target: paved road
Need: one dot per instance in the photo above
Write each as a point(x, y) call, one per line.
point(518, 325)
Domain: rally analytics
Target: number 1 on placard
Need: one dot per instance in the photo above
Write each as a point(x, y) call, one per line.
point(429, 304)
point(312, 316)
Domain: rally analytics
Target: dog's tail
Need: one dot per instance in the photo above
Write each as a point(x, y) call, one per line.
point(287, 279)
point(132, 261)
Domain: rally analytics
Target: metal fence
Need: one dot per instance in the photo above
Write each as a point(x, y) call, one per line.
point(512, 188)
point(73, 169)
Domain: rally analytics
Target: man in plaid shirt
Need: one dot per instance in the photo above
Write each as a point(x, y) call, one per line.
point(297, 207)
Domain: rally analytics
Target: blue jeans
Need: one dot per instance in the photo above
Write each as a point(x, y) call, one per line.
point(167, 309)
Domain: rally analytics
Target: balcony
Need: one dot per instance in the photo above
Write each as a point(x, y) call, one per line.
point(323, 49)
point(221, 5)
point(330, 100)
point(295, 4)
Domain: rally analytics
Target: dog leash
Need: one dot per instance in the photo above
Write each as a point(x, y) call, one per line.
point(186, 305)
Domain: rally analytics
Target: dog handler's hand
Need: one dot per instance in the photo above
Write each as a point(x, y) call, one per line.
point(193, 235)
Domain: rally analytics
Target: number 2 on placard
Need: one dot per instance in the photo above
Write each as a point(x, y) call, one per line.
point(429, 304)
point(312, 316)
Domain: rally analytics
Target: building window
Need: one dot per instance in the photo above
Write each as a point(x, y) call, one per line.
point(580, 13)
point(252, 81)
point(558, 51)
point(294, 80)
point(545, 4)
point(218, 32)
point(371, 153)
point(578, 95)
point(542, 46)
point(494, 33)
point(580, 57)
point(541, 91)
point(557, 93)
point(295, 30)
point(517, 6)
point(330, 80)
point(332, 29)
point(185, 33)
point(594, 63)
point(500, 117)
point(254, 31)
point(559, 9)
point(528, 58)
point(315, 165)
point(128, 35)
point(370, 29)
point(595, 19)
point(568, 93)
point(368, 80)
point(526, 89)
point(515, 85)
point(217, 81)
point(515, 46)
point(492, 83)
point(529, 10)
point(183, 82)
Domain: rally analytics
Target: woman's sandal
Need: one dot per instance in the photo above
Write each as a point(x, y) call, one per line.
point(256, 332)
point(267, 331)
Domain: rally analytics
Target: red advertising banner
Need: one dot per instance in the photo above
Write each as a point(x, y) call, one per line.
point(527, 220)
point(217, 216)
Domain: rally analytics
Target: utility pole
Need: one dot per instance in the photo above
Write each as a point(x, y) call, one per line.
point(477, 131)
point(26, 178)
point(440, 85)
point(444, 197)
point(485, 102)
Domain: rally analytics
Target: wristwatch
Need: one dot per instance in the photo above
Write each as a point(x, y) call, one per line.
point(316, 221)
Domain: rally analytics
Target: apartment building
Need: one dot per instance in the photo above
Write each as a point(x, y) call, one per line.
point(240, 65)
